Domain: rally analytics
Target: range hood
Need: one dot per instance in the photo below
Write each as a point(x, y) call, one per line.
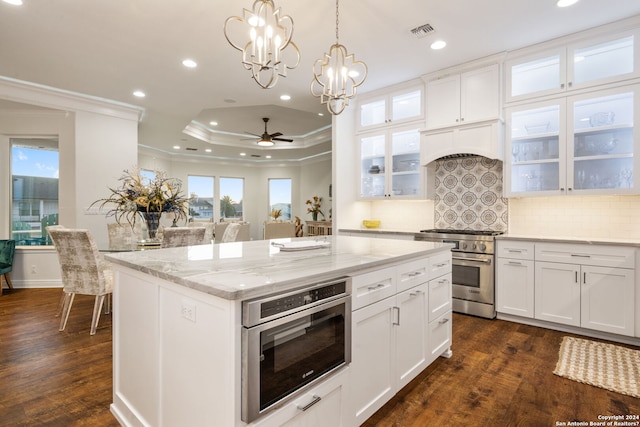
point(482, 139)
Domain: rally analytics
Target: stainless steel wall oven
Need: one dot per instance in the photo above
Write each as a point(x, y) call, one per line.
point(292, 340)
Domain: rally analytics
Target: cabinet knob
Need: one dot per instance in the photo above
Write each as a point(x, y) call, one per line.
point(562, 86)
point(561, 188)
point(569, 189)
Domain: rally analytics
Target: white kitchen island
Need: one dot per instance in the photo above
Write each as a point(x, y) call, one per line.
point(177, 324)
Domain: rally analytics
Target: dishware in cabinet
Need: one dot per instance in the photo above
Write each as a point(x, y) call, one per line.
point(390, 164)
point(582, 144)
point(573, 66)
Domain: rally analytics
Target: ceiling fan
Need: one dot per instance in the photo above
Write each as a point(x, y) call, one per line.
point(266, 139)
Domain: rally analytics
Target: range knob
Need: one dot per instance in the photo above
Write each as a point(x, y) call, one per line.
point(464, 246)
point(483, 247)
point(473, 246)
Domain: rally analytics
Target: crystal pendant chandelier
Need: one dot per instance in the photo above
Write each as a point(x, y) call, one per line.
point(337, 75)
point(264, 34)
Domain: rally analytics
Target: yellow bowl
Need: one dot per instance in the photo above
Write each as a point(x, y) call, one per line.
point(371, 223)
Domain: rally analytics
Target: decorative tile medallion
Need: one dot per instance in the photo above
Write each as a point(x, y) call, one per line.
point(469, 194)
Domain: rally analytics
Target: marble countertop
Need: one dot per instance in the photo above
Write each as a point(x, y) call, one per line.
point(376, 231)
point(244, 270)
point(579, 240)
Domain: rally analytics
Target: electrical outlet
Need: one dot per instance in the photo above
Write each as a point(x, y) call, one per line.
point(34, 270)
point(188, 311)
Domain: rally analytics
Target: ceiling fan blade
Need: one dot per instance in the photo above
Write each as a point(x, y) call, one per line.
point(283, 139)
point(276, 134)
point(251, 133)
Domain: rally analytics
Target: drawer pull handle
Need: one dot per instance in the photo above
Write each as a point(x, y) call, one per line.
point(415, 293)
point(397, 321)
point(442, 281)
point(515, 251)
point(514, 263)
point(375, 287)
point(443, 321)
point(442, 264)
point(315, 400)
point(580, 256)
point(414, 274)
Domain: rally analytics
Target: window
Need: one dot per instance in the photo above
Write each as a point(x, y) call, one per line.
point(231, 195)
point(34, 189)
point(201, 191)
point(280, 196)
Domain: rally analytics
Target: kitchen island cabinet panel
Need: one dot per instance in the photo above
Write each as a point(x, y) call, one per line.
point(557, 297)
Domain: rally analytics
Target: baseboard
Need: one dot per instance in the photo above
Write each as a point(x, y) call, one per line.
point(35, 284)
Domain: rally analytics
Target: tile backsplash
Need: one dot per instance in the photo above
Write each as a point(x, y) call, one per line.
point(468, 194)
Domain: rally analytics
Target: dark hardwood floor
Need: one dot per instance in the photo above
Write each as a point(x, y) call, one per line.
point(500, 374)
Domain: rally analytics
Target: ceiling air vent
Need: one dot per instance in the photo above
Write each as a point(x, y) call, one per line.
point(191, 149)
point(255, 155)
point(422, 31)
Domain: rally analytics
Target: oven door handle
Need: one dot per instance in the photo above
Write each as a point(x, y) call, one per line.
point(484, 261)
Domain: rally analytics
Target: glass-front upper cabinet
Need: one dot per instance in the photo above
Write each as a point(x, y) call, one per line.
point(535, 160)
point(390, 164)
point(583, 144)
point(601, 147)
point(592, 62)
point(391, 107)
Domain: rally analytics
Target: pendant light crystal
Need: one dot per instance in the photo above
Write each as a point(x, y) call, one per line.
point(337, 75)
point(264, 36)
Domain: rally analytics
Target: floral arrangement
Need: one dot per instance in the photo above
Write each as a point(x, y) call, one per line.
point(137, 194)
point(315, 203)
point(275, 214)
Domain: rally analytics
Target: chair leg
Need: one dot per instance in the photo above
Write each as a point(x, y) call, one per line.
point(68, 301)
point(61, 303)
point(8, 279)
point(107, 306)
point(97, 308)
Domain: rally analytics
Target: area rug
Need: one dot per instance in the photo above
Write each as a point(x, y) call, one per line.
point(599, 364)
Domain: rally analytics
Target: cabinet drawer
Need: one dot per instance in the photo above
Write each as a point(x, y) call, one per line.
point(439, 264)
point(439, 296)
point(598, 255)
point(412, 274)
point(439, 335)
point(371, 287)
point(515, 249)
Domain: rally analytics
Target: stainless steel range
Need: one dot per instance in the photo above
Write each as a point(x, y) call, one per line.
point(473, 268)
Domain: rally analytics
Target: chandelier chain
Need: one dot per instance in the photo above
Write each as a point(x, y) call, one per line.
point(337, 23)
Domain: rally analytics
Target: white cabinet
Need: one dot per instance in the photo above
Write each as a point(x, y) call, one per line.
point(595, 291)
point(468, 97)
point(395, 105)
point(390, 164)
point(515, 278)
point(485, 139)
point(395, 337)
point(582, 144)
point(579, 65)
point(323, 405)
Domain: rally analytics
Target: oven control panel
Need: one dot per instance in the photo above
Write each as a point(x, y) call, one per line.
point(266, 308)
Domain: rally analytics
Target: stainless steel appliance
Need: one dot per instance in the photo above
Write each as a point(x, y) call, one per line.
point(292, 340)
point(473, 268)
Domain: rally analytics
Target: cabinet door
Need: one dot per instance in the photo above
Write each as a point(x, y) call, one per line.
point(406, 173)
point(373, 358)
point(538, 74)
point(480, 94)
point(600, 149)
point(372, 112)
point(535, 159)
point(411, 333)
point(439, 296)
point(373, 183)
point(557, 292)
point(515, 287)
point(443, 102)
point(608, 296)
point(439, 336)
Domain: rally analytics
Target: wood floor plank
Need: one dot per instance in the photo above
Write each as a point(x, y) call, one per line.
point(500, 374)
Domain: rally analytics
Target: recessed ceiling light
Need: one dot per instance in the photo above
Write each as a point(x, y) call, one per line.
point(285, 97)
point(208, 150)
point(321, 114)
point(565, 3)
point(243, 154)
point(14, 2)
point(267, 157)
point(213, 123)
point(439, 44)
point(139, 94)
point(189, 63)
point(176, 147)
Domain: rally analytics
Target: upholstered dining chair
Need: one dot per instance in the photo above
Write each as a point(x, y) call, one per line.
point(278, 230)
point(236, 232)
point(84, 271)
point(209, 230)
point(182, 236)
point(7, 251)
point(124, 235)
